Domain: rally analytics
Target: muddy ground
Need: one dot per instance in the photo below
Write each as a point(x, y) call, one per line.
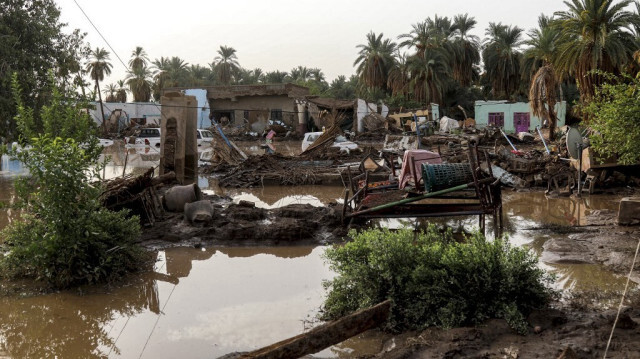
point(576, 322)
point(243, 223)
point(576, 326)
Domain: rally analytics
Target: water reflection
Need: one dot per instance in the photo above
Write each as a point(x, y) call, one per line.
point(69, 325)
point(197, 303)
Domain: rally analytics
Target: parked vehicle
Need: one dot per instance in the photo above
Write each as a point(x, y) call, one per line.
point(340, 141)
point(146, 137)
point(204, 137)
point(152, 136)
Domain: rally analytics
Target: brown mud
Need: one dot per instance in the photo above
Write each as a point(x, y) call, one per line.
point(242, 224)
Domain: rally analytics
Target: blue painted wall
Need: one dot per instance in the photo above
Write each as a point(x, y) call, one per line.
point(483, 108)
point(203, 106)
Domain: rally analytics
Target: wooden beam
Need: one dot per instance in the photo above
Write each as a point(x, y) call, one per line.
point(325, 335)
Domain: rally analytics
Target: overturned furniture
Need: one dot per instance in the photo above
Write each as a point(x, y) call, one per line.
point(444, 190)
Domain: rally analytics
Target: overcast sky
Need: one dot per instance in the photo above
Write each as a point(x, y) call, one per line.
point(274, 34)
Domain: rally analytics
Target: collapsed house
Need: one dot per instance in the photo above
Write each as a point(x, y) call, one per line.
point(255, 106)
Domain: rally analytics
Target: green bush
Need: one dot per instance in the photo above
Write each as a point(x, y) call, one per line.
point(613, 117)
point(434, 280)
point(64, 236)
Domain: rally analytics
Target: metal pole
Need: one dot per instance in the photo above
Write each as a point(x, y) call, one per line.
point(579, 145)
point(415, 120)
point(508, 140)
point(542, 138)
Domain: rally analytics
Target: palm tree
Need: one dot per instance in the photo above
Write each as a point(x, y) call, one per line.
point(160, 67)
point(428, 69)
point(110, 91)
point(139, 58)
point(341, 88)
point(317, 75)
point(542, 46)
point(595, 35)
point(98, 67)
point(538, 66)
point(226, 64)
point(257, 75)
point(276, 77)
point(139, 81)
point(198, 75)
point(429, 75)
point(543, 94)
point(466, 49)
point(502, 59)
point(374, 60)
point(300, 74)
point(418, 37)
point(399, 75)
point(121, 94)
point(177, 72)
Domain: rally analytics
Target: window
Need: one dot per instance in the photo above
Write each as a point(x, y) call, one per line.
point(496, 119)
point(276, 116)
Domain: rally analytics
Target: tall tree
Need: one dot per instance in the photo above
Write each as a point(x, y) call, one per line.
point(399, 76)
point(502, 58)
point(374, 61)
point(466, 48)
point(121, 94)
point(341, 88)
point(276, 77)
point(99, 66)
point(110, 92)
point(595, 35)
point(139, 81)
point(32, 42)
point(429, 66)
point(538, 65)
point(300, 74)
point(198, 75)
point(139, 59)
point(226, 64)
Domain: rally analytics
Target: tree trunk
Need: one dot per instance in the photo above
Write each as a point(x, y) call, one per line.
point(104, 127)
point(553, 121)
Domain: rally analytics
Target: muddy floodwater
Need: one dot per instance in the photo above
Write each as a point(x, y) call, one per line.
point(207, 302)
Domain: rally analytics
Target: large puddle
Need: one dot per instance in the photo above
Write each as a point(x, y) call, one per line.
point(209, 302)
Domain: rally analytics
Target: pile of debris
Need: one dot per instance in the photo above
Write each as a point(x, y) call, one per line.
point(137, 194)
point(277, 169)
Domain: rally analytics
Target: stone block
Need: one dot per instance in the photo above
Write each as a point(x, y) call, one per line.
point(629, 211)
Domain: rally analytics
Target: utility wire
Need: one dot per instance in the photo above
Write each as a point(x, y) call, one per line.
point(99, 33)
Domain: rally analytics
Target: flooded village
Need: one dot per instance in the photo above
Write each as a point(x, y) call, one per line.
point(459, 196)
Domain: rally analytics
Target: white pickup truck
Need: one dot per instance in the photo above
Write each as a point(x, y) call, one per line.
point(152, 136)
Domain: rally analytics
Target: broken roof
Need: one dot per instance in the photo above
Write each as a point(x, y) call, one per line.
point(332, 103)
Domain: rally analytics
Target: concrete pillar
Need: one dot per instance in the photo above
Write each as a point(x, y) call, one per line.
point(179, 143)
point(302, 124)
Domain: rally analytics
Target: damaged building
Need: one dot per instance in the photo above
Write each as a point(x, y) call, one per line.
point(254, 105)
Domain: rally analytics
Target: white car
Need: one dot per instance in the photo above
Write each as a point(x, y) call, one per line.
point(204, 137)
point(146, 137)
point(152, 136)
point(340, 141)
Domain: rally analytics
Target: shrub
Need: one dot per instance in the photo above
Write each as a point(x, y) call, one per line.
point(613, 117)
point(64, 236)
point(434, 280)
